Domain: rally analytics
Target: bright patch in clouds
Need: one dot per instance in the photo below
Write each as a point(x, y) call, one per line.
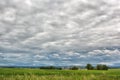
point(59, 32)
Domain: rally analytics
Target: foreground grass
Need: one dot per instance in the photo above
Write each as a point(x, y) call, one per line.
point(37, 74)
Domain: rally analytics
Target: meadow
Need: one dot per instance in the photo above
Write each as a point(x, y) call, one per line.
point(39, 74)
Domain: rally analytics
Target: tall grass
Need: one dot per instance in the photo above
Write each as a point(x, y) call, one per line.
point(37, 74)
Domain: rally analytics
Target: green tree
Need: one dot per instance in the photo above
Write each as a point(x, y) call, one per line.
point(89, 67)
point(105, 67)
point(74, 68)
point(101, 67)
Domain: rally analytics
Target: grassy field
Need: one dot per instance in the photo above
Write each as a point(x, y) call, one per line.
point(37, 74)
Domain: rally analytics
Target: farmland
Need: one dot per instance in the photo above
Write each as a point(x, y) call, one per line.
point(41, 74)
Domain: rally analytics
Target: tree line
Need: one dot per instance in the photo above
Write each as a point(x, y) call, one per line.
point(91, 67)
point(88, 67)
point(98, 67)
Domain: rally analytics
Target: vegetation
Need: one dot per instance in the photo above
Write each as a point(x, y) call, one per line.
point(50, 67)
point(101, 67)
point(98, 67)
point(74, 68)
point(89, 67)
point(47, 74)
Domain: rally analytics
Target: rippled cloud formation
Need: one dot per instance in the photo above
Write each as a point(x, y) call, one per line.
point(59, 32)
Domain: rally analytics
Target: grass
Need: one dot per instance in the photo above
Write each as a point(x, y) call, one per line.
point(38, 74)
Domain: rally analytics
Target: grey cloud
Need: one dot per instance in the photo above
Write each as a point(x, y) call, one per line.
point(59, 31)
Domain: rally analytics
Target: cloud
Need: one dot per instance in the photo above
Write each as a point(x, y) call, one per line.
point(105, 56)
point(59, 32)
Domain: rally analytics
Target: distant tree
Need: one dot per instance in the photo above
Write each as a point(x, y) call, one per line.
point(89, 67)
point(101, 67)
point(74, 68)
point(50, 67)
point(105, 67)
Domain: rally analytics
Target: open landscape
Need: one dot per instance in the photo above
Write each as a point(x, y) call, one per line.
point(42, 74)
point(59, 39)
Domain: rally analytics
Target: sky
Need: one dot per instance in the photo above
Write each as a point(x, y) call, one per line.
point(59, 32)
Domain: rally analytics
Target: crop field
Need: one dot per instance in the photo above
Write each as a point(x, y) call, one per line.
point(38, 74)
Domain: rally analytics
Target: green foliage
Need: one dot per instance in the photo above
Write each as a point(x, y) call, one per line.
point(98, 67)
point(89, 67)
point(101, 67)
point(74, 68)
point(51, 67)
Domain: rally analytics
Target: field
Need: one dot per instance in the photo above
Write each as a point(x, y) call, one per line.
point(38, 74)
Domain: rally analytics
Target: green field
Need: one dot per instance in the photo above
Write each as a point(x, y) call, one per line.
point(38, 74)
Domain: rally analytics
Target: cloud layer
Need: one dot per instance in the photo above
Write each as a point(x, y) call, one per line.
point(59, 32)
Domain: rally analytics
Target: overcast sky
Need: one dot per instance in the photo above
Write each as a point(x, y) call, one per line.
point(59, 32)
